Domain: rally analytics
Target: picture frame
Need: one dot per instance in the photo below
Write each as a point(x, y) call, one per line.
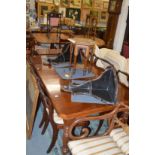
point(32, 94)
point(27, 8)
point(75, 3)
point(65, 3)
point(103, 16)
point(84, 13)
point(62, 11)
point(49, 1)
point(98, 4)
point(94, 13)
point(56, 2)
point(44, 7)
point(73, 13)
point(105, 5)
point(87, 3)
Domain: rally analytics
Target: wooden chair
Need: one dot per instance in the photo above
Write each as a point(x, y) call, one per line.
point(54, 21)
point(114, 141)
point(90, 27)
point(50, 116)
point(105, 57)
point(49, 113)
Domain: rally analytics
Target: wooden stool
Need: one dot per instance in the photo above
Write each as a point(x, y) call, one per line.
point(79, 44)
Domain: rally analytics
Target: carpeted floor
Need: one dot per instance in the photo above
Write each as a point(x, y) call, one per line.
point(38, 144)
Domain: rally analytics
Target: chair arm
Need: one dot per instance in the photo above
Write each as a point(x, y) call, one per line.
point(120, 107)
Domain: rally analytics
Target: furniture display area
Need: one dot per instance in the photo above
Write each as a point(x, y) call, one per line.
point(61, 101)
point(75, 10)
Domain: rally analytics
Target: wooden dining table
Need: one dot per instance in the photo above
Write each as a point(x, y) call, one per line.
point(61, 101)
point(44, 38)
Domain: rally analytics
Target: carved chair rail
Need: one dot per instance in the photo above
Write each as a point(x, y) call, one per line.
point(110, 116)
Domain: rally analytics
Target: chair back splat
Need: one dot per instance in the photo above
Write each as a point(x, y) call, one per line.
point(54, 21)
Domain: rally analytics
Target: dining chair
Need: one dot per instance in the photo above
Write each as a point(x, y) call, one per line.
point(50, 116)
point(49, 113)
point(114, 141)
point(54, 23)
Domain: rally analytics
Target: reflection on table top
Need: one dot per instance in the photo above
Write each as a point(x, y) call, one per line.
point(62, 100)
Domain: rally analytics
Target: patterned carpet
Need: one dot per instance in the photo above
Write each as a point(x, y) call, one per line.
point(38, 144)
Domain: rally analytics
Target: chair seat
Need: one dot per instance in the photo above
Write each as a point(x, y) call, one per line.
point(115, 143)
point(57, 119)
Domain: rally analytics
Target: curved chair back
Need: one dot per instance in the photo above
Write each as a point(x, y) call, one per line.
point(106, 57)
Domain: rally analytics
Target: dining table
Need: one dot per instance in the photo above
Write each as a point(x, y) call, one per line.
point(68, 110)
point(49, 38)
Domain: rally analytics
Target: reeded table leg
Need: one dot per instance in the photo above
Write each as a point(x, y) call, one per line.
point(65, 140)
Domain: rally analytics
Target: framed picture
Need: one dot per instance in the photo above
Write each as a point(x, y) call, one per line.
point(62, 11)
point(105, 5)
point(65, 3)
point(56, 2)
point(84, 13)
point(87, 3)
point(103, 16)
point(44, 7)
point(75, 3)
point(98, 4)
point(32, 94)
point(94, 13)
point(27, 8)
point(73, 13)
point(49, 1)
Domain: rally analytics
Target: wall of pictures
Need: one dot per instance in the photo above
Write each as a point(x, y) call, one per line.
point(78, 9)
point(30, 12)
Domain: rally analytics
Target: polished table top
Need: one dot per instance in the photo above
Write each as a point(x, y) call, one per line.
point(45, 38)
point(53, 38)
point(62, 103)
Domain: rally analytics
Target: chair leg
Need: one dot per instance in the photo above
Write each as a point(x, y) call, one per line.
point(45, 126)
point(54, 138)
point(43, 119)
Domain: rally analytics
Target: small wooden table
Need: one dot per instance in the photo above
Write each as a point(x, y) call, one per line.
point(66, 109)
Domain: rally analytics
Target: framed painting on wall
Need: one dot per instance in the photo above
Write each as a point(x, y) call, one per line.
point(87, 3)
point(75, 3)
point(56, 2)
point(42, 7)
point(73, 13)
point(32, 94)
point(105, 5)
point(84, 13)
point(27, 8)
point(98, 4)
point(62, 11)
point(65, 3)
point(103, 16)
point(49, 1)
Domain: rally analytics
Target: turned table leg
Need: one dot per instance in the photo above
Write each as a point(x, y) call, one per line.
point(65, 140)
